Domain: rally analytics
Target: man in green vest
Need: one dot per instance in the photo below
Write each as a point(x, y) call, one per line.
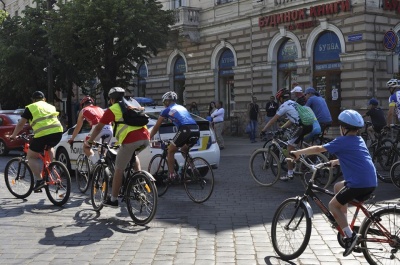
point(47, 130)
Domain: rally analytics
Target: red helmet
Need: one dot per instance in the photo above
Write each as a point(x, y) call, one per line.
point(86, 100)
point(282, 93)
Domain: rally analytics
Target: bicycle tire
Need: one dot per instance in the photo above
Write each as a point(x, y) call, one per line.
point(158, 168)
point(267, 144)
point(82, 173)
point(20, 185)
point(265, 167)
point(198, 179)
point(377, 247)
point(323, 178)
point(385, 156)
point(99, 187)
point(289, 240)
point(141, 197)
point(58, 188)
point(395, 174)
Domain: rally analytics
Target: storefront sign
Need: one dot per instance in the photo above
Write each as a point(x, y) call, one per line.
point(179, 69)
point(301, 14)
point(326, 52)
point(226, 62)
point(391, 5)
point(143, 71)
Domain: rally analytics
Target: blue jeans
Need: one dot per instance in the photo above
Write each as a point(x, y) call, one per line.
point(253, 127)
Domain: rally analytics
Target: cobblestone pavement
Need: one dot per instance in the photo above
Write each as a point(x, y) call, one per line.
point(232, 227)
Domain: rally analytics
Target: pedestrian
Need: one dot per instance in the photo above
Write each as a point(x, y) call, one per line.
point(377, 118)
point(271, 107)
point(211, 108)
point(193, 109)
point(254, 114)
point(218, 120)
point(298, 93)
point(320, 108)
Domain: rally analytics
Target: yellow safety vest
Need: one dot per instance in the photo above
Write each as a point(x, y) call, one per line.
point(44, 121)
point(122, 130)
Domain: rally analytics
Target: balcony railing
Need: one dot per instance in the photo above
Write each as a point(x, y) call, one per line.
point(186, 17)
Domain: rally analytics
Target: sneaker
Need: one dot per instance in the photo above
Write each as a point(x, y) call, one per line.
point(110, 203)
point(171, 178)
point(350, 243)
point(39, 185)
point(286, 177)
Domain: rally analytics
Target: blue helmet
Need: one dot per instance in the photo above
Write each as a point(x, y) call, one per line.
point(373, 102)
point(351, 119)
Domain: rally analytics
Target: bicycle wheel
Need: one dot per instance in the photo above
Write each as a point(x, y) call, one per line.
point(266, 145)
point(380, 235)
point(82, 173)
point(158, 168)
point(385, 156)
point(395, 174)
point(290, 229)
point(141, 198)
point(99, 187)
point(323, 177)
point(198, 179)
point(265, 167)
point(18, 177)
point(58, 186)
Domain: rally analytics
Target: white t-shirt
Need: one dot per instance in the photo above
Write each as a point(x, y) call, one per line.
point(288, 109)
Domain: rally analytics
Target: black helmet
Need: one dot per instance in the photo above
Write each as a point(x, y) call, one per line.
point(38, 95)
point(116, 92)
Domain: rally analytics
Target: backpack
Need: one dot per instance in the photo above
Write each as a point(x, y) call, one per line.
point(306, 114)
point(132, 114)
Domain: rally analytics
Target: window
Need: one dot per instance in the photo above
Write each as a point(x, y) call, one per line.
point(220, 2)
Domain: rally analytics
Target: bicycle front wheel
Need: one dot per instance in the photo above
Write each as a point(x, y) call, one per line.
point(141, 198)
point(82, 172)
point(395, 174)
point(323, 178)
point(290, 229)
point(99, 187)
point(58, 186)
point(198, 179)
point(385, 156)
point(265, 167)
point(380, 237)
point(158, 168)
point(18, 177)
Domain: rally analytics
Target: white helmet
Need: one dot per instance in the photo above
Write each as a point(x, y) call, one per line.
point(392, 83)
point(169, 95)
point(116, 92)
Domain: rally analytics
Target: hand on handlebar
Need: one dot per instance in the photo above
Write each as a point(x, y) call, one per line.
point(294, 155)
point(71, 141)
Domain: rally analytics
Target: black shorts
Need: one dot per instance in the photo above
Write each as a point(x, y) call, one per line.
point(347, 194)
point(299, 133)
point(185, 134)
point(38, 144)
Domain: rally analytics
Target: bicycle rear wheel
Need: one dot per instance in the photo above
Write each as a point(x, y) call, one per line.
point(198, 179)
point(99, 187)
point(158, 168)
point(290, 229)
point(323, 178)
point(58, 186)
point(265, 167)
point(18, 177)
point(380, 237)
point(82, 173)
point(385, 156)
point(395, 174)
point(141, 198)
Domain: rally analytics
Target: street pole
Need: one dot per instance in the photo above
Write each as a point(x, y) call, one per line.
point(50, 95)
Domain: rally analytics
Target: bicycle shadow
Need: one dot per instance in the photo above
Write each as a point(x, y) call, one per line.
point(268, 260)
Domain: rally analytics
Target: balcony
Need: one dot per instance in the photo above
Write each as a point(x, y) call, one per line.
point(187, 21)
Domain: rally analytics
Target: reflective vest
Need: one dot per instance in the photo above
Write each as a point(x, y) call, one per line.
point(44, 121)
point(122, 130)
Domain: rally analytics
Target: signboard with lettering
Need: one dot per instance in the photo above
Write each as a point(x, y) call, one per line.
point(355, 37)
point(326, 52)
point(226, 62)
point(180, 69)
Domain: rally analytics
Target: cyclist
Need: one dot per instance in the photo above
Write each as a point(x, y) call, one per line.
point(47, 130)
point(359, 172)
point(91, 114)
point(288, 108)
point(377, 118)
point(320, 108)
point(394, 100)
point(298, 93)
point(131, 138)
point(187, 128)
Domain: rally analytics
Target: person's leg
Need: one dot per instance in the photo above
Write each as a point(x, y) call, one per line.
point(171, 158)
point(35, 163)
point(218, 133)
point(252, 131)
point(371, 133)
point(338, 210)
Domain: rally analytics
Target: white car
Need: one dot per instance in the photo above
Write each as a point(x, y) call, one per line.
point(206, 146)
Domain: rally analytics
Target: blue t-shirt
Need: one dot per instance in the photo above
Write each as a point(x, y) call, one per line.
point(178, 114)
point(355, 161)
point(320, 109)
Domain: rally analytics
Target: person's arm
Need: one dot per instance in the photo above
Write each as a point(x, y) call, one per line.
point(78, 127)
point(309, 151)
point(155, 128)
point(271, 122)
point(18, 128)
point(95, 132)
point(390, 115)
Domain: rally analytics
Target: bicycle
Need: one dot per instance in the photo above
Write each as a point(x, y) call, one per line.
point(266, 163)
point(195, 174)
point(138, 190)
point(379, 141)
point(19, 177)
point(292, 223)
point(387, 155)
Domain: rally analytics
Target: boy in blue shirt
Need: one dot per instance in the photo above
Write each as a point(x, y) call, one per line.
point(358, 171)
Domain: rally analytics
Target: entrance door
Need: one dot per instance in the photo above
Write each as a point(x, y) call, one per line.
point(328, 85)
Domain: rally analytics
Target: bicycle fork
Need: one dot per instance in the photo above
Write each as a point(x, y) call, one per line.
point(18, 171)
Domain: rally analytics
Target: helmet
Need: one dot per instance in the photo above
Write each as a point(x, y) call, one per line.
point(351, 119)
point(282, 93)
point(374, 102)
point(169, 95)
point(85, 100)
point(38, 95)
point(392, 83)
point(116, 92)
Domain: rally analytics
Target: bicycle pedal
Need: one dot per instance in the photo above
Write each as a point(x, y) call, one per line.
point(38, 191)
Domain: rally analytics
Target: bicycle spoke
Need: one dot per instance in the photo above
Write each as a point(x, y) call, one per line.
point(198, 180)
